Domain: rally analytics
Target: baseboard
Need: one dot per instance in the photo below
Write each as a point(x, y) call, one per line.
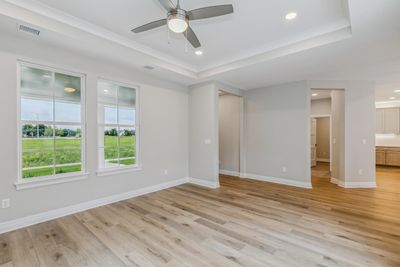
point(242, 175)
point(57, 213)
point(230, 173)
point(353, 184)
point(357, 184)
point(323, 160)
point(334, 180)
point(204, 183)
point(276, 180)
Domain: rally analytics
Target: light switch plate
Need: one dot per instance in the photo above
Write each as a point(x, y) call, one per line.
point(364, 141)
point(5, 203)
point(207, 141)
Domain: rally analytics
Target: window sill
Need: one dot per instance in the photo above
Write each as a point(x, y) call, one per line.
point(120, 170)
point(46, 181)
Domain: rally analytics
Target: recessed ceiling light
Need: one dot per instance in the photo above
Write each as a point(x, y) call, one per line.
point(291, 15)
point(199, 52)
point(397, 91)
point(69, 89)
point(392, 98)
point(105, 90)
point(315, 94)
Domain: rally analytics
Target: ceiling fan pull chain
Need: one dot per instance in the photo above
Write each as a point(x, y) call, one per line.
point(168, 33)
point(186, 41)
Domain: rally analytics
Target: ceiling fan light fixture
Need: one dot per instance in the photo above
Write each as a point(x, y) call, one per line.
point(178, 22)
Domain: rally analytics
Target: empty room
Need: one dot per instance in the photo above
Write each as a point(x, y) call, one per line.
point(199, 133)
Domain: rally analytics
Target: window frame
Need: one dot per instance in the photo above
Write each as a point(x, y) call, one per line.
point(22, 183)
point(138, 164)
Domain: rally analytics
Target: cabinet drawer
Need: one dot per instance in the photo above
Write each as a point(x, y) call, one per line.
point(392, 158)
point(380, 158)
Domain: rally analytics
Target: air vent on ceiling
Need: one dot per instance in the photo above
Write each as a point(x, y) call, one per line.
point(149, 67)
point(29, 30)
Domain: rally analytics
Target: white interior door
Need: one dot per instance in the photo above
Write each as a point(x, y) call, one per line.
point(313, 142)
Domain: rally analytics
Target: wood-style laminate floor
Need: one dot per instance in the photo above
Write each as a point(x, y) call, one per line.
point(243, 223)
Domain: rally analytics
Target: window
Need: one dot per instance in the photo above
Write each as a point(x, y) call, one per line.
point(117, 116)
point(51, 126)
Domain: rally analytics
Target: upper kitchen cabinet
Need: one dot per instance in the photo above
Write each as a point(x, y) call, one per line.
point(388, 121)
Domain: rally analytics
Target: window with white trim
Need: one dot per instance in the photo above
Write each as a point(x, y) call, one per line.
point(51, 141)
point(117, 133)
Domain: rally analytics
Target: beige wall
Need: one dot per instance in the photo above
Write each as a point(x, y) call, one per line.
point(203, 134)
point(323, 139)
point(277, 135)
point(229, 134)
point(164, 133)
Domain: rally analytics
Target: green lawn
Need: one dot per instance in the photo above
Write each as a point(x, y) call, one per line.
point(40, 152)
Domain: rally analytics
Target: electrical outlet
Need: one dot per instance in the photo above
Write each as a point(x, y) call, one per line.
point(284, 169)
point(166, 172)
point(360, 172)
point(364, 141)
point(5, 203)
point(207, 141)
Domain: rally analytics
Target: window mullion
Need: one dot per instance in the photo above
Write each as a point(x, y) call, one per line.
point(118, 128)
point(54, 121)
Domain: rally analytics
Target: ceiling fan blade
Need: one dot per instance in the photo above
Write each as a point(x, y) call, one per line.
point(167, 4)
point(192, 38)
point(209, 12)
point(150, 26)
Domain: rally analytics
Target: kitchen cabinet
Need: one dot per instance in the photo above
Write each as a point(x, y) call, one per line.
point(388, 121)
point(388, 156)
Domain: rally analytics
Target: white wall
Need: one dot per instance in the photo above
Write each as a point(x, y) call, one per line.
point(203, 133)
point(390, 140)
point(321, 107)
point(229, 134)
point(164, 132)
point(277, 133)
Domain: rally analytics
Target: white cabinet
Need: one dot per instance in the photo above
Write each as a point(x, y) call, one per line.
point(392, 120)
point(388, 121)
point(380, 119)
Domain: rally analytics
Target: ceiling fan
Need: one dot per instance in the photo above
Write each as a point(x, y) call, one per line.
point(178, 19)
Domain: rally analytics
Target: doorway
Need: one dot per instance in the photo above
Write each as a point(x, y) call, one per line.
point(327, 123)
point(230, 125)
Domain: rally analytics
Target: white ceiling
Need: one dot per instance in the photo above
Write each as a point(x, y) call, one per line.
point(254, 27)
point(252, 48)
point(386, 90)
